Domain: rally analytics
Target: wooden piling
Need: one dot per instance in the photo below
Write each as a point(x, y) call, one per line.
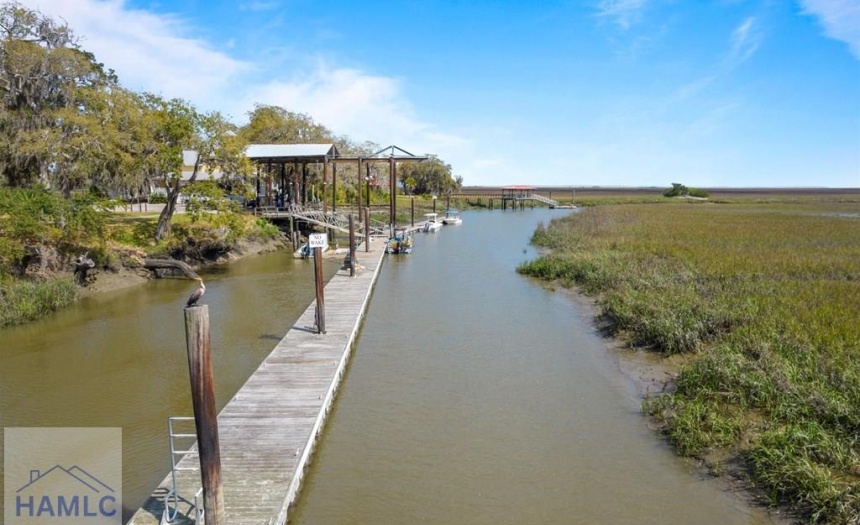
point(351, 245)
point(270, 428)
point(367, 229)
point(292, 238)
point(205, 416)
point(320, 286)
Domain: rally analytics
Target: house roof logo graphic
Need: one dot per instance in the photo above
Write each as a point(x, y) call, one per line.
point(58, 473)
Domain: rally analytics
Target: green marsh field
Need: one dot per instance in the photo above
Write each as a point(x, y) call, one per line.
point(760, 296)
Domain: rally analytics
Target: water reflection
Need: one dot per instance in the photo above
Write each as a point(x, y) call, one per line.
point(119, 359)
point(478, 396)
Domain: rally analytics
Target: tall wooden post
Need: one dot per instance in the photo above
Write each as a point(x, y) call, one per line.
point(205, 418)
point(320, 286)
point(358, 180)
point(367, 229)
point(292, 237)
point(266, 184)
point(304, 184)
point(392, 183)
point(334, 187)
point(324, 183)
point(351, 245)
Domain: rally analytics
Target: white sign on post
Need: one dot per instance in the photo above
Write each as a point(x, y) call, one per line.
point(317, 240)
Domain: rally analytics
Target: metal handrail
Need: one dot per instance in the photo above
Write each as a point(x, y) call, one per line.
point(175, 458)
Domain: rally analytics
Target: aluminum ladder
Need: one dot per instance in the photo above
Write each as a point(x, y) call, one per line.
point(189, 449)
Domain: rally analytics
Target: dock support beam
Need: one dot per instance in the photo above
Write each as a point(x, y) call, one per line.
point(367, 229)
point(392, 183)
point(320, 287)
point(205, 417)
point(351, 245)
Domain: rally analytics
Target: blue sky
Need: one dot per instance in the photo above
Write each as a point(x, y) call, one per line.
point(571, 93)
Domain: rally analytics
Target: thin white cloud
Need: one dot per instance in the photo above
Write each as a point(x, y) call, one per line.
point(152, 52)
point(839, 18)
point(745, 41)
point(149, 52)
point(258, 6)
point(693, 88)
point(351, 102)
point(625, 13)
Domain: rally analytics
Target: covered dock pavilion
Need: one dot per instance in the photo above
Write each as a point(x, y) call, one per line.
point(517, 195)
point(285, 182)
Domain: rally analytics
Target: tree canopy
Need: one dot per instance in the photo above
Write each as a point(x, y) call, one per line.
point(52, 94)
point(67, 125)
point(276, 125)
point(679, 190)
point(430, 177)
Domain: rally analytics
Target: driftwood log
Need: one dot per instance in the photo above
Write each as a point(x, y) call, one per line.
point(154, 265)
point(83, 264)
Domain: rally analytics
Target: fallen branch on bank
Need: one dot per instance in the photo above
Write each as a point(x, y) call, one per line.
point(83, 264)
point(154, 265)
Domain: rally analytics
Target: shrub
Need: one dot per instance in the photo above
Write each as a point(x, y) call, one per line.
point(26, 300)
point(679, 190)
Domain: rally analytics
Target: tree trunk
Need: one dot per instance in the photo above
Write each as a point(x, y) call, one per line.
point(162, 229)
point(169, 264)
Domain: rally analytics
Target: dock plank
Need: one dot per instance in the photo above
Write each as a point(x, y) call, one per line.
point(268, 430)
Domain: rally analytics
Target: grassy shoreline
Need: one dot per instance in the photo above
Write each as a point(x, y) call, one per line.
point(764, 300)
point(119, 253)
point(27, 300)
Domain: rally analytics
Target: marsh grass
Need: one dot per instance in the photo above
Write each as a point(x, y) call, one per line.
point(24, 300)
point(765, 299)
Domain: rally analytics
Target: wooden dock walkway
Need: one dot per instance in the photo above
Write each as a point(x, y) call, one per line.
point(268, 430)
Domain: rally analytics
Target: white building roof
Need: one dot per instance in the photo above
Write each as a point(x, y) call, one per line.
point(289, 151)
point(189, 157)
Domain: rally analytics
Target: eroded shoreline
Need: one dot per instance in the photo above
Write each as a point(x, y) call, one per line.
point(128, 277)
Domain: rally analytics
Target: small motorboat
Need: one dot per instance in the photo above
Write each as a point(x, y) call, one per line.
point(452, 217)
point(305, 252)
point(400, 242)
point(432, 225)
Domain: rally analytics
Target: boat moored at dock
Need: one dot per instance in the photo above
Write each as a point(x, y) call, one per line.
point(433, 224)
point(452, 217)
point(400, 242)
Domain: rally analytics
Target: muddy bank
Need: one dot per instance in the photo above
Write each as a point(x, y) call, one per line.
point(647, 373)
point(132, 273)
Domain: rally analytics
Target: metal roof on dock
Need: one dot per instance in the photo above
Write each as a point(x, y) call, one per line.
point(291, 152)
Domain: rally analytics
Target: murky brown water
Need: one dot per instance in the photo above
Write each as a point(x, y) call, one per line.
point(119, 359)
point(476, 396)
